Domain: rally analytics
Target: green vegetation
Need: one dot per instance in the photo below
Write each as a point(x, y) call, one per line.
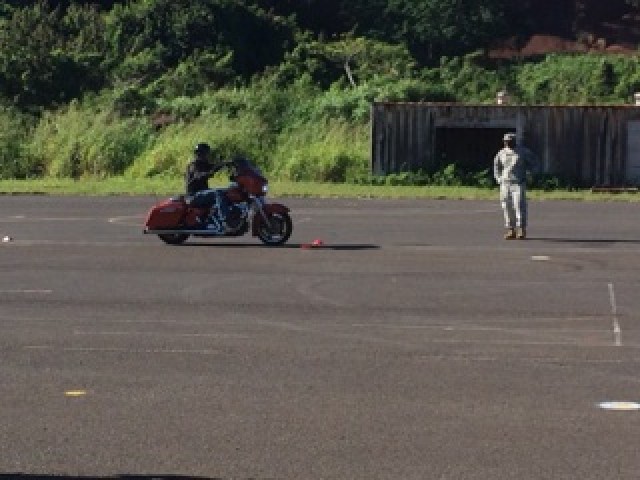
point(166, 186)
point(123, 90)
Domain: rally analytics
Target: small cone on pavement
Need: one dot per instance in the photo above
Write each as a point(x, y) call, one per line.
point(314, 244)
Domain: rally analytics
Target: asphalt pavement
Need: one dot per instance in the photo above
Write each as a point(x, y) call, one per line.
point(413, 343)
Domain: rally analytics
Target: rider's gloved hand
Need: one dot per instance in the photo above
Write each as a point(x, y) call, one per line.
point(214, 170)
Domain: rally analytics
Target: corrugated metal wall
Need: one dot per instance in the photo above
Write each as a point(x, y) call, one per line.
point(586, 145)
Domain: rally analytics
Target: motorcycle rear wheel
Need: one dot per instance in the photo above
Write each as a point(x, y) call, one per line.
point(173, 238)
point(280, 231)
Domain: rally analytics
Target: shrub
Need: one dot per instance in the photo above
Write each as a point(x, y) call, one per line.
point(78, 141)
point(172, 148)
point(469, 79)
point(332, 151)
point(547, 182)
point(448, 176)
point(194, 75)
point(15, 162)
point(130, 101)
point(586, 79)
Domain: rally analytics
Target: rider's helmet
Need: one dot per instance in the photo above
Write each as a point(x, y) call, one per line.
point(202, 149)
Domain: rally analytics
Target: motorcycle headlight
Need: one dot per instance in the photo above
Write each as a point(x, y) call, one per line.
point(265, 188)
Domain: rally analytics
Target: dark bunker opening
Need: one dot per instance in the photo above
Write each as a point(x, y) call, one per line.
point(470, 149)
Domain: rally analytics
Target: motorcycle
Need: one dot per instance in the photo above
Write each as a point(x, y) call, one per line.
point(174, 220)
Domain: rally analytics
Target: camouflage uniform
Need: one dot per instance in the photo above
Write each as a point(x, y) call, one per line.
point(510, 168)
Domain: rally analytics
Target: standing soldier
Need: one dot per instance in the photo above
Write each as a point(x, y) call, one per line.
point(510, 168)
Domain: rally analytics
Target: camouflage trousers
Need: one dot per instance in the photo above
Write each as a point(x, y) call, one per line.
point(513, 199)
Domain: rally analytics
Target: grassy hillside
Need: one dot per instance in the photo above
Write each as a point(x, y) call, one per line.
point(127, 89)
point(295, 132)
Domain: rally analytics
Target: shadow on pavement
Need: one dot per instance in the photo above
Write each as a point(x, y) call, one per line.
point(290, 246)
point(22, 476)
point(584, 240)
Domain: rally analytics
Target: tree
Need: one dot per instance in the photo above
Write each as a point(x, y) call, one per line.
point(433, 28)
point(324, 17)
point(363, 58)
point(49, 58)
point(156, 36)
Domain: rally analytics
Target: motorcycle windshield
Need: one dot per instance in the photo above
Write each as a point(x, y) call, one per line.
point(245, 167)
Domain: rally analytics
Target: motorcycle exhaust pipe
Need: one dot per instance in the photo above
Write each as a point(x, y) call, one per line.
point(182, 232)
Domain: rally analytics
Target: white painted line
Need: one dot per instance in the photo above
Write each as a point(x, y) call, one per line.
point(391, 212)
point(129, 220)
point(70, 243)
point(612, 299)
point(166, 334)
point(169, 322)
point(576, 343)
point(21, 218)
point(124, 350)
point(507, 321)
point(473, 249)
point(540, 258)
point(620, 406)
point(471, 328)
point(39, 292)
point(617, 331)
point(434, 357)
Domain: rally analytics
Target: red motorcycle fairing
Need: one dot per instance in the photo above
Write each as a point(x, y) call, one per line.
point(249, 178)
point(267, 208)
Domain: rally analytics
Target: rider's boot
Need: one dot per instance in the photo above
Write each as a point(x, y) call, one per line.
point(201, 218)
point(522, 233)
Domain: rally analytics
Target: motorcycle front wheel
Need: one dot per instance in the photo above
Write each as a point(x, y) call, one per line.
point(173, 238)
point(278, 231)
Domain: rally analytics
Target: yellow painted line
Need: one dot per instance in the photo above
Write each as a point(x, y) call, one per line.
point(75, 393)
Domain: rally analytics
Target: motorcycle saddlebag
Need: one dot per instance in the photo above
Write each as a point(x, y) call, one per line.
point(168, 214)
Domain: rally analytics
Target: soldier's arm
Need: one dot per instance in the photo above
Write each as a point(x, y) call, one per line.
point(497, 167)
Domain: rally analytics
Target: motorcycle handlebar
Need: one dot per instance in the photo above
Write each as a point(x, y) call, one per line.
point(219, 167)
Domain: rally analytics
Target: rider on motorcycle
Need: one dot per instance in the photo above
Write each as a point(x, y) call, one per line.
point(205, 165)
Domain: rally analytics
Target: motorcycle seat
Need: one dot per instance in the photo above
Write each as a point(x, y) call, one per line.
point(182, 198)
